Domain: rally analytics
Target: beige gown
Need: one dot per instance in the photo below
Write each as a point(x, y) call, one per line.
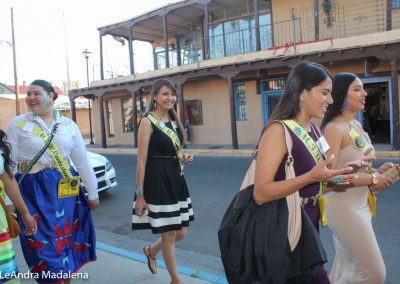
point(358, 258)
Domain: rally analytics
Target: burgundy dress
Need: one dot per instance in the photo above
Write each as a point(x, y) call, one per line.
point(303, 163)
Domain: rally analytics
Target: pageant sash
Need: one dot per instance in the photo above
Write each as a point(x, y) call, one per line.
point(312, 147)
point(359, 143)
point(172, 135)
point(68, 185)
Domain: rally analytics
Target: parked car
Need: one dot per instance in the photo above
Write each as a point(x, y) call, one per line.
point(104, 171)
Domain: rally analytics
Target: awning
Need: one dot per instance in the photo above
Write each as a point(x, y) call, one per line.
point(180, 17)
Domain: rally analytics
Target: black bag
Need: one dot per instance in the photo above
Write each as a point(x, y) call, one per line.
point(255, 248)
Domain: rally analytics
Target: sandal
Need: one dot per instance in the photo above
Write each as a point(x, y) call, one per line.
point(149, 257)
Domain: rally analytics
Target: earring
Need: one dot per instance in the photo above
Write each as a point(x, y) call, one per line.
point(345, 106)
point(154, 103)
point(301, 106)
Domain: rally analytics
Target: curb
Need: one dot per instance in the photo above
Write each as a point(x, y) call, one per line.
point(216, 279)
point(221, 152)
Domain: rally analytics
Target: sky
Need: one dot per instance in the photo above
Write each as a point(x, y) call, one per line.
point(40, 41)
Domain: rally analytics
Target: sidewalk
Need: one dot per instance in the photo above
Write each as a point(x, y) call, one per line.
point(382, 150)
point(118, 265)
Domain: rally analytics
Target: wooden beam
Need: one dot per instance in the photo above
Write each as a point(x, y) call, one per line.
point(73, 109)
point(389, 8)
point(394, 74)
point(165, 27)
point(131, 55)
point(205, 27)
point(101, 58)
point(135, 124)
point(181, 101)
point(102, 122)
point(229, 77)
point(257, 24)
point(316, 19)
point(178, 51)
point(235, 143)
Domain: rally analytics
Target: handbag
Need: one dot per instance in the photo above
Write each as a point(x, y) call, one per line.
point(293, 200)
point(270, 243)
point(13, 226)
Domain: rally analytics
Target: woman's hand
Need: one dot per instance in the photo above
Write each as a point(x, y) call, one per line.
point(322, 172)
point(141, 207)
point(387, 166)
point(30, 224)
point(383, 183)
point(365, 161)
point(93, 204)
point(187, 158)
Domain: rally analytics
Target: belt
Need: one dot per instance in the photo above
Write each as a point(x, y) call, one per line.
point(163, 157)
point(311, 200)
point(38, 166)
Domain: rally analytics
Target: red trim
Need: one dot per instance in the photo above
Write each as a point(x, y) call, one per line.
point(290, 44)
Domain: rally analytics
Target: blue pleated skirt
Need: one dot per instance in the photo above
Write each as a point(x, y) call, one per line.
point(65, 239)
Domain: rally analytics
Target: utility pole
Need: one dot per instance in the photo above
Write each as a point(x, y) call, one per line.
point(15, 65)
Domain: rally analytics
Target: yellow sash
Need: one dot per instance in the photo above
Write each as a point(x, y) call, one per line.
point(1, 189)
point(318, 158)
point(173, 136)
point(360, 144)
point(69, 185)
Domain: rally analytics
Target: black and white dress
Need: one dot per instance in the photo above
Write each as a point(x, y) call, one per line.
point(165, 189)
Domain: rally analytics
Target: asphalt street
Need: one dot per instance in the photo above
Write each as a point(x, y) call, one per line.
point(213, 181)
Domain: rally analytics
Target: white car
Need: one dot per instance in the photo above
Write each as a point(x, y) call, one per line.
point(104, 171)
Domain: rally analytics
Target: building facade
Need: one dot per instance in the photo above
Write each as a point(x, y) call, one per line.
point(229, 60)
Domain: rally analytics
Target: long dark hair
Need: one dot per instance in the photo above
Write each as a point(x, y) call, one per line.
point(151, 106)
point(340, 88)
point(6, 148)
point(304, 76)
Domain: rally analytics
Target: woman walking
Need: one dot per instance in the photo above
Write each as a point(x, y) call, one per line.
point(349, 210)
point(162, 201)
point(43, 142)
point(307, 95)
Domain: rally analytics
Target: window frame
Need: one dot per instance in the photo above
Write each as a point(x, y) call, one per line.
point(240, 108)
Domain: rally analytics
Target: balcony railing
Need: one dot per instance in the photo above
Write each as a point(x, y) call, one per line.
point(340, 21)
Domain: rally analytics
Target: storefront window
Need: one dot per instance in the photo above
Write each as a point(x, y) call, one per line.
point(238, 36)
point(110, 119)
point(240, 100)
point(127, 115)
point(395, 4)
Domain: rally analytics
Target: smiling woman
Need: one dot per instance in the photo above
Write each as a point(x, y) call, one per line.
point(358, 259)
point(42, 143)
point(162, 201)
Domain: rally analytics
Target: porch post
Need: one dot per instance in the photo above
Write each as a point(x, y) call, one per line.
point(178, 51)
point(181, 99)
point(316, 19)
point(229, 77)
point(389, 8)
point(131, 56)
point(257, 24)
point(165, 26)
point(135, 124)
point(395, 101)
point(205, 26)
point(101, 58)
point(135, 92)
point(72, 106)
point(102, 122)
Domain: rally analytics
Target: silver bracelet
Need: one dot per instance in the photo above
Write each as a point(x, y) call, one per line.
point(139, 191)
